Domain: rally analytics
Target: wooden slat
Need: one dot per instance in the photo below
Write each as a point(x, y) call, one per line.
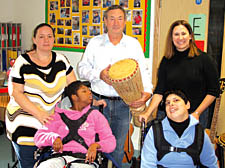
point(221, 123)
point(4, 99)
point(156, 56)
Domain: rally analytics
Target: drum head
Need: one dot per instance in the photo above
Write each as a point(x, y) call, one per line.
point(123, 69)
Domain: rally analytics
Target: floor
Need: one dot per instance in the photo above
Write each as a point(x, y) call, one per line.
point(5, 152)
point(6, 155)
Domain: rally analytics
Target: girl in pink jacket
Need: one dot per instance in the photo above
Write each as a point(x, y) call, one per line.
point(74, 127)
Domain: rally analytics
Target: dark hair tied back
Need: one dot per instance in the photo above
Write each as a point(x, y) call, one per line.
point(34, 47)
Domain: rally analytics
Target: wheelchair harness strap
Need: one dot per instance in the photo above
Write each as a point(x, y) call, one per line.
point(73, 126)
point(82, 161)
point(163, 147)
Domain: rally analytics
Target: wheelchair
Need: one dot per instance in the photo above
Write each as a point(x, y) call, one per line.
point(67, 159)
point(136, 161)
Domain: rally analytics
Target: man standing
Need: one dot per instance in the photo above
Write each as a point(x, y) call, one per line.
point(102, 51)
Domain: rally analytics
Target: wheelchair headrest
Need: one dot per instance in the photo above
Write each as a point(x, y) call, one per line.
point(65, 103)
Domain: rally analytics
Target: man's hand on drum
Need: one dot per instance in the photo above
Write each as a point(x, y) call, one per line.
point(144, 98)
point(104, 75)
point(91, 153)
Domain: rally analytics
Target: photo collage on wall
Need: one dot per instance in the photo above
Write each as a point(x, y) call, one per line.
point(76, 21)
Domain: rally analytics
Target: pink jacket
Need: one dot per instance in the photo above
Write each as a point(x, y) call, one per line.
point(95, 123)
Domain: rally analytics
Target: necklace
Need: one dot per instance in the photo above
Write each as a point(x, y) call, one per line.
point(42, 60)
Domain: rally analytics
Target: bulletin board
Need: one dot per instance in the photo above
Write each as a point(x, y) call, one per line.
point(76, 21)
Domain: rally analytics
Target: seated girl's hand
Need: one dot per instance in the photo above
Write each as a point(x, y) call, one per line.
point(57, 145)
point(91, 153)
point(99, 102)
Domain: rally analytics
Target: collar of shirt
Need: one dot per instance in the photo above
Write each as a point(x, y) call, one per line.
point(107, 41)
point(167, 126)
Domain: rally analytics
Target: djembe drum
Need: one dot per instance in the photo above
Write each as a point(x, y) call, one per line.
point(126, 79)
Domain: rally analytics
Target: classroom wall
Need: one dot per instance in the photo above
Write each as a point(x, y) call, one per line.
point(29, 13)
point(6, 13)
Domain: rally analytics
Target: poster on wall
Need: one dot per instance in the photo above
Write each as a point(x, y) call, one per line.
point(76, 21)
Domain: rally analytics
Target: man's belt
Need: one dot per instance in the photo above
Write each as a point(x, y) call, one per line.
point(106, 97)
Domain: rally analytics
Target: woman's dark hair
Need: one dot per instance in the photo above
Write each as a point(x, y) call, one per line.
point(72, 89)
point(175, 92)
point(169, 46)
point(34, 47)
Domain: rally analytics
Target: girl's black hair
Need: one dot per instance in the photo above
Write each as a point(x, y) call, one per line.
point(72, 89)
